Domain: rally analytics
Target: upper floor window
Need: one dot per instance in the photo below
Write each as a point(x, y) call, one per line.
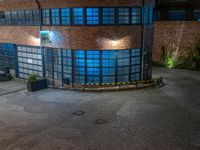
point(46, 17)
point(123, 16)
point(8, 17)
point(177, 15)
point(108, 16)
point(78, 18)
point(36, 18)
point(29, 17)
point(21, 17)
point(55, 16)
point(14, 17)
point(92, 16)
point(65, 16)
point(136, 16)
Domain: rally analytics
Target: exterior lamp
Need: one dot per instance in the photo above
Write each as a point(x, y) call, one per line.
point(45, 37)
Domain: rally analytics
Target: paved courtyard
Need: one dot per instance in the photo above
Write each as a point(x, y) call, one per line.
point(166, 118)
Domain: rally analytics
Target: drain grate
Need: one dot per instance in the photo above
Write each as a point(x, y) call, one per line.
point(79, 113)
point(101, 121)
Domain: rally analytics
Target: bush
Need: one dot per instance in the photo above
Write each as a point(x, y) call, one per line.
point(32, 78)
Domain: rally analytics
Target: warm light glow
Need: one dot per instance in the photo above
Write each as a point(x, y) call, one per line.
point(121, 43)
point(34, 40)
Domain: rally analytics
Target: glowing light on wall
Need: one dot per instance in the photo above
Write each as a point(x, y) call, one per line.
point(115, 43)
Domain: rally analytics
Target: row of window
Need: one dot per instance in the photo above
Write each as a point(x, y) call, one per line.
point(79, 16)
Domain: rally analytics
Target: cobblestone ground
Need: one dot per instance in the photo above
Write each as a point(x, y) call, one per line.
point(166, 118)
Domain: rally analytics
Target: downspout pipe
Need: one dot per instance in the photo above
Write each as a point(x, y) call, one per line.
point(143, 39)
point(40, 29)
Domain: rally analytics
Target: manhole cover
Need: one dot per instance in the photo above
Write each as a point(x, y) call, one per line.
point(101, 121)
point(79, 113)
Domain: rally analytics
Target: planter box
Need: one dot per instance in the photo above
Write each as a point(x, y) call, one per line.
point(38, 85)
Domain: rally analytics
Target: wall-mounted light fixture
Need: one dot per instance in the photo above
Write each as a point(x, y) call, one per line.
point(45, 37)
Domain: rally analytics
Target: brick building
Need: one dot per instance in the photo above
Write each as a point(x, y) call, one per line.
point(176, 27)
point(74, 42)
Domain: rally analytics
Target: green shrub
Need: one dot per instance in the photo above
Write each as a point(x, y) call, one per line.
point(32, 78)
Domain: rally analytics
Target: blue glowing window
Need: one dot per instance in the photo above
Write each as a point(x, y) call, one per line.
point(123, 16)
point(78, 16)
point(92, 16)
point(136, 15)
point(79, 54)
point(65, 16)
point(55, 16)
point(108, 16)
point(92, 54)
point(46, 17)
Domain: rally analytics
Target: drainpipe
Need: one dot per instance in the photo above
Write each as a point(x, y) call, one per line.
point(143, 39)
point(40, 29)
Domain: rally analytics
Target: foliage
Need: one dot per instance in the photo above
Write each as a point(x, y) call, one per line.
point(32, 78)
point(173, 60)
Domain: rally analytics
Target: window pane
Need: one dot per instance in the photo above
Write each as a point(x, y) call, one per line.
point(78, 16)
point(65, 16)
point(55, 16)
point(123, 16)
point(46, 17)
point(21, 17)
point(136, 16)
point(108, 16)
point(14, 17)
point(29, 17)
point(92, 16)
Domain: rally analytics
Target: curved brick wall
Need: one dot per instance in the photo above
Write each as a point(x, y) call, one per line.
point(75, 37)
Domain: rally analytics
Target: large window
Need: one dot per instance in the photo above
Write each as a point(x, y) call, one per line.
point(92, 15)
point(78, 18)
point(108, 16)
point(79, 66)
point(65, 16)
point(55, 16)
point(93, 66)
point(46, 17)
point(123, 16)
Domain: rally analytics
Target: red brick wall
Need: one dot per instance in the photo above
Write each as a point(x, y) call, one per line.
point(175, 35)
point(83, 37)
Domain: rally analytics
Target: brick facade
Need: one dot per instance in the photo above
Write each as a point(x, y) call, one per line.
point(84, 37)
point(75, 37)
point(173, 35)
